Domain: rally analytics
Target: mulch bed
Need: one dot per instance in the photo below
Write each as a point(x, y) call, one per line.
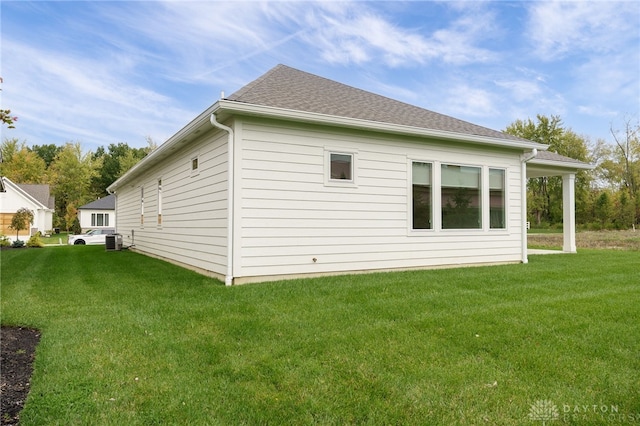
point(17, 352)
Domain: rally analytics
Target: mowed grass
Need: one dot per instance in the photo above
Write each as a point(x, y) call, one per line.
point(127, 339)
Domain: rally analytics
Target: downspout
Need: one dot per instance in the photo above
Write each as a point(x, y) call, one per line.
point(228, 279)
point(116, 208)
point(524, 159)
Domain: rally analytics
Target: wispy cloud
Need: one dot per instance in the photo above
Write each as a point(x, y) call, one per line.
point(347, 36)
point(559, 29)
point(68, 95)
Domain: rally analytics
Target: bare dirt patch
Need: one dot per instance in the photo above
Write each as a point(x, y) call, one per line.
point(17, 352)
point(616, 240)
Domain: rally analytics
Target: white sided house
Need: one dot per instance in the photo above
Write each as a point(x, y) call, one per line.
point(98, 214)
point(295, 175)
point(37, 198)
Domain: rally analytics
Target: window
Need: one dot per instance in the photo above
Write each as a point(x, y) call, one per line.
point(422, 195)
point(141, 205)
point(99, 219)
point(341, 166)
point(194, 166)
point(497, 199)
point(159, 201)
point(461, 197)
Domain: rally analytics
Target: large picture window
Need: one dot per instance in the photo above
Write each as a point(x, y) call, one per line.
point(461, 197)
point(422, 195)
point(497, 199)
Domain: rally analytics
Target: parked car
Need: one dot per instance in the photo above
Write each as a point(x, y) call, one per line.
point(95, 236)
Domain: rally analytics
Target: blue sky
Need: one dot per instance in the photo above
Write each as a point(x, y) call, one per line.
point(107, 72)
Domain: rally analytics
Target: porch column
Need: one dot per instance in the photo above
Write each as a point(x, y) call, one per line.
point(569, 212)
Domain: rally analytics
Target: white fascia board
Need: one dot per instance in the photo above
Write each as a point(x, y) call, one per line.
point(233, 107)
point(562, 164)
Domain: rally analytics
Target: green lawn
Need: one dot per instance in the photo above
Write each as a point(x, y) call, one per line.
point(130, 340)
point(60, 238)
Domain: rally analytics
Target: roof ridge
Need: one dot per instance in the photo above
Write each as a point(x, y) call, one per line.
point(251, 85)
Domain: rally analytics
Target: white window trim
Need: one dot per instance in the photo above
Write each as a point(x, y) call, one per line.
point(142, 206)
point(483, 226)
point(195, 172)
point(506, 200)
point(159, 218)
point(344, 183)
point(434, 220)
point(436, 194)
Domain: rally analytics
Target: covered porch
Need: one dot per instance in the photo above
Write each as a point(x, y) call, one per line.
point(547, 164)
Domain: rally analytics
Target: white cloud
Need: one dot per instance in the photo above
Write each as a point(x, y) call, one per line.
point(357, 34)
point(557, 29)
point(463, 100)
point(83, 99)
point(521, 90)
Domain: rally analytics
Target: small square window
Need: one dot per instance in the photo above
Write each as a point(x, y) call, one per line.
point(341, 166)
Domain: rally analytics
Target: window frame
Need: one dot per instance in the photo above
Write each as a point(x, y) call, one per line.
point(159, 202)
point(195, 161)
point(480, 198)
point(141, 206)
point(329, 181)
point(505, 198)
point(411, 184)
point(103, 216)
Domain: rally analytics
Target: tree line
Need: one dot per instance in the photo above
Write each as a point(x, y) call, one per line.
point(607, 197)
point(76, 177)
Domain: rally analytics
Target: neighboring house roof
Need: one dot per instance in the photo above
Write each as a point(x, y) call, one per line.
point(40, 192)
point(104, 203)
point(37, 194)
point(289, 88)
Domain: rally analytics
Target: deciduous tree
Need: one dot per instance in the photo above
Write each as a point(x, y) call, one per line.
point(25, 167)
point(47, 152)
point(21, 220)
point(6, 117)
point(70, 176)
point(544, 195)
point(115, 162)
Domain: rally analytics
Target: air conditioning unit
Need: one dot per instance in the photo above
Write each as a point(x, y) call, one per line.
point(113, 242)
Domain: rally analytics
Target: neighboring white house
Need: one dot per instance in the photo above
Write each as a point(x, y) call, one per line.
point(36, 198)
point(98, 214)
point(297, 175)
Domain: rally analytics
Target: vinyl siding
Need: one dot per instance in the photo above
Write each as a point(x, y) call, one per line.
point(287, 215)
point(193, 231)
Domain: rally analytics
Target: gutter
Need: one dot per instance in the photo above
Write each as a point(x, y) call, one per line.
point(524, 159)
point(228, 279)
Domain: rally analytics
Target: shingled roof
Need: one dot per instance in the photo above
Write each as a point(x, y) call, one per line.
point(104, 203)
point(40, 192)
point(289, 88)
